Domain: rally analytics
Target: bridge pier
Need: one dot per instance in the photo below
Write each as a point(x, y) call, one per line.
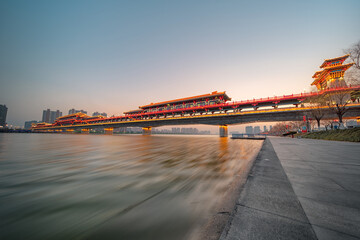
point(108, 131)
point(223, 131)
point(85, 130)
point(146, 131)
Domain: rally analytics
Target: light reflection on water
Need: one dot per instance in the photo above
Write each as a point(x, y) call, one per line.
point(66, 186)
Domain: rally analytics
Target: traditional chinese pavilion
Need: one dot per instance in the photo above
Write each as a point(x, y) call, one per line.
point(194, 101)
point(332, 73)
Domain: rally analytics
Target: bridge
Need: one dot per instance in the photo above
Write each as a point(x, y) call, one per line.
point(216, 108)
point(280, 108)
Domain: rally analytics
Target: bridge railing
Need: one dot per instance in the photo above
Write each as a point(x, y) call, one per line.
point(234, 103)
point(221, 106)
point(275, 99)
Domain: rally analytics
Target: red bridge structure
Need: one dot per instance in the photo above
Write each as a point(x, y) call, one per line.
point(217, 108)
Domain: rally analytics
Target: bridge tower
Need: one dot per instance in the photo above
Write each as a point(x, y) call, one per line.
point(332, 73)
point(146, 131)
point(108, 130)
point(223, 130)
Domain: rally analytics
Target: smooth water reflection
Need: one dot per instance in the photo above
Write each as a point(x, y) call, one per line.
point(69, 186)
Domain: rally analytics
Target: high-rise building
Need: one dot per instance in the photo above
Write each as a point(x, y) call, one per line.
point(3, 113)
point(98, 113)
point(256, 129)
point(72, 111)
point(46, 116)
point(50, 116)
point(58, 114)
point(249, 130)
point(54, 115)
point(28, 124)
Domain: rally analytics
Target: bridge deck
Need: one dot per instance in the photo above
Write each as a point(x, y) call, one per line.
point(280, 114)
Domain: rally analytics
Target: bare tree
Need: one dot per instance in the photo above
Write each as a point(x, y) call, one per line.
point(355, 96)
point(352, 76)
point(278, 129)
point(329, 124)
point(313, 124)
point(354, 52)
point(337, 102)
point(318, 110)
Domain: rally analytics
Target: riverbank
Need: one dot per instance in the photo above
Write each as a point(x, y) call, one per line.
point(349, 135)
point(300, 189)
point(224, 210)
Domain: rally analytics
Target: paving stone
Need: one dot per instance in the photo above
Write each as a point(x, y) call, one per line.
point(268, 207)
point(340, 197)
point(272, 195)
point(326, 234)
point(300, 189)
point(251, 224)
point(332, 216)
point(330, 192)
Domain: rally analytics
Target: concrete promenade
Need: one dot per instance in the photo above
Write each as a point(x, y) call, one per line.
point(300, 189)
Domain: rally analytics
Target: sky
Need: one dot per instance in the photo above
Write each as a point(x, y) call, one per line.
point(113, 56)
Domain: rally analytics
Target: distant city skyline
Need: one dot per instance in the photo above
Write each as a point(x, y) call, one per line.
point(99, 114)
point(3, 114)
point(114, 56)
point(28, 124)
point(72, 111)
point(49, 116)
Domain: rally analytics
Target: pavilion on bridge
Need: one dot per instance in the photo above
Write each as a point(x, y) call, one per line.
point(189, 102)
point(332, 73)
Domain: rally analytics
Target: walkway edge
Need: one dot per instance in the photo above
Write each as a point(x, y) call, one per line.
point(267, 207)
point(214, 227)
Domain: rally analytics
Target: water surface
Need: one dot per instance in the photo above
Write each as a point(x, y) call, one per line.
point(79, 186)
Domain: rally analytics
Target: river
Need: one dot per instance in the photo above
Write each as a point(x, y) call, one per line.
point(81, 186)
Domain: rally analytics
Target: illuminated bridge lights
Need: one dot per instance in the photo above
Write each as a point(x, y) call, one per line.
point(148, 121)
point(332, 73)
point(223, 108)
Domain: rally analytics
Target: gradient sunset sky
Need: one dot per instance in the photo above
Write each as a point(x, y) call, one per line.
point(113, 56)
